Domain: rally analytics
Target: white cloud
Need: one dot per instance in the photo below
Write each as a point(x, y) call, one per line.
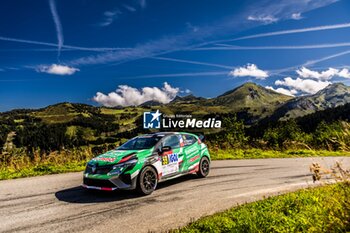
point(71, 47)
point(292, 31)
point(305, 85)
point(186, 91)
point(57, 69)
point(208, 35)
point(58, 25)
point(129, 8)
point(266, 19)
point(344, 73)
point(296, 16)
point(221, 46)
point(129, 96)
point(323, 75)
point(109, 17)
point(283, 91)
point(249, 70)
point(192, 62)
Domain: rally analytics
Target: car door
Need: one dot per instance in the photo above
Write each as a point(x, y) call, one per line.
point(191, 152)
point(170, 159)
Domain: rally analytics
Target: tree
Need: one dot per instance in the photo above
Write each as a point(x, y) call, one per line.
point(284, 131)
point(234, 133)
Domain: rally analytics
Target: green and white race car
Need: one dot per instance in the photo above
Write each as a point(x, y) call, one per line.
point(144, 161)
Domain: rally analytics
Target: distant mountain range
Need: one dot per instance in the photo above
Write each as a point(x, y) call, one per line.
point(332, 96)
point(250, 98)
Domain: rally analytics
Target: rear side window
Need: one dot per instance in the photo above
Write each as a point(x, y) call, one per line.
point(172, 141)
point(189, 139)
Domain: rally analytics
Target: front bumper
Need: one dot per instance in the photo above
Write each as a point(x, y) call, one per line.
point(120, 182)
point(98, 188)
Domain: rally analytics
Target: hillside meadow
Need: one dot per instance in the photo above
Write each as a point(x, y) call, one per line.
point(256, 123)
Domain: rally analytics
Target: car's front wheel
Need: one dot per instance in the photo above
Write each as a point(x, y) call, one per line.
point(204, 167)
point(147, 181)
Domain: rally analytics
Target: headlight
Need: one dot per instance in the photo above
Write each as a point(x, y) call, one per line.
point(121, 167)
point(128, 163)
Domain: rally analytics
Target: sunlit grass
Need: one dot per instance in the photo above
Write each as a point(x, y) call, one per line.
point(19, 164)
point(42, 169)
point(323, 209)
point(260, 154)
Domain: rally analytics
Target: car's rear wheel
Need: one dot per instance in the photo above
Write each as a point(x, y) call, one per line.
point(204, 167)
point(147, 181)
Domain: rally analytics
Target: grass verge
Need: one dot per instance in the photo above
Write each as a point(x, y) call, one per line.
point(65, 162)
point(261, 154)
point(322, 209)
point(42, 169)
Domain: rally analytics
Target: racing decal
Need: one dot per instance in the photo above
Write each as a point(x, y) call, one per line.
point(182, 144)
point(165, 160)
point(126, 158)
point(158, 165)
point(170, 163)
point(133, 175)
point(105, 159)
point(98, 188)
point(194, 158)
point(191, 150)
point(194, 168)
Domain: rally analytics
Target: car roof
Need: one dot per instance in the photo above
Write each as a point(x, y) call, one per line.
point(158, 134)
point(162, 134)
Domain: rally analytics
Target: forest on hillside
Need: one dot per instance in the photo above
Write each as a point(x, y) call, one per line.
point(321, 130)
point(34, 143)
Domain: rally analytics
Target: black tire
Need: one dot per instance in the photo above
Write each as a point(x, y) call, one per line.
point(147, 181)
point(204, 167)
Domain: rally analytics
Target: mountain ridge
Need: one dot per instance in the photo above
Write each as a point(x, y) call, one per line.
point(334, 95)
point(250, 98)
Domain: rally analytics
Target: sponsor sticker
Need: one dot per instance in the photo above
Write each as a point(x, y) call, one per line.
point(170, 164)
point(105, 159)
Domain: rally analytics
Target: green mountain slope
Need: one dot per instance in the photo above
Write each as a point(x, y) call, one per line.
point(334, 95)
point(253, 98)
point(249, 98)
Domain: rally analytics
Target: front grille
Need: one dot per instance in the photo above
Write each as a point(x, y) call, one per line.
point(98, 183)
point(101, 170)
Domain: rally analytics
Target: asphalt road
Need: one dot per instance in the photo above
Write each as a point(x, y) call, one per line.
point(57, 203)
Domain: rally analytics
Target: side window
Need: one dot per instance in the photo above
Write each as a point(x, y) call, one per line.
point(172, 141)
point(189, 139)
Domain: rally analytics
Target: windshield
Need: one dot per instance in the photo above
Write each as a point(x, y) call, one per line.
point(139, 143)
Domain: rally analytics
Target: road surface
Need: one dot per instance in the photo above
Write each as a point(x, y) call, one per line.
point(57, 203)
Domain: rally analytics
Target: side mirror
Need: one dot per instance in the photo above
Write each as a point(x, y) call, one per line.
point(201, 137)
point(166, 148)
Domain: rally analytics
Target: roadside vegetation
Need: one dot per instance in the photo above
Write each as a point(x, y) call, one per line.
point(63, 137)
point(322, 209)
point(222, 154)
point(19, 164)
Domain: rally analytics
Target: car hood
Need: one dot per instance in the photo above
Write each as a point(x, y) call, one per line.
point(114, 156)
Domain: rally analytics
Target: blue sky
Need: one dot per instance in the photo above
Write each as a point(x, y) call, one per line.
point(127, 52)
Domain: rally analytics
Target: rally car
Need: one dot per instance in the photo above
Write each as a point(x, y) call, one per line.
point(144, 161)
